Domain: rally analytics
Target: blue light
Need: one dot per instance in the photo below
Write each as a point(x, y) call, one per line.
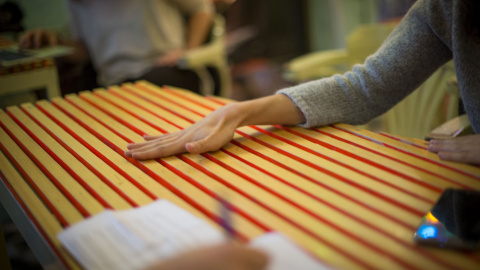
point(427, 232)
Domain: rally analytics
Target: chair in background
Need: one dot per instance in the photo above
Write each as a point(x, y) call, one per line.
point(363, 41)
point(456, 126)
point(433, 103)
point(211, 55)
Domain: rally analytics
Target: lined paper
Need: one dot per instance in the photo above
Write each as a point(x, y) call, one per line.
point(137, 238)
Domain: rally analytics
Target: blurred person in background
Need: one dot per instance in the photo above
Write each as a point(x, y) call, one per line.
point(128, 40)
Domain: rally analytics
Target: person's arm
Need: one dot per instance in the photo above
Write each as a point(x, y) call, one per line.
point(199, 24)
point(217, 129)
point(198, 29)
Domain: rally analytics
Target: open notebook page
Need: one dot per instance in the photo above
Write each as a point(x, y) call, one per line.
point(134, 239)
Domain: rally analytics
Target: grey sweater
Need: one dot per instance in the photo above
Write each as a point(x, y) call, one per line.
point(431, 34)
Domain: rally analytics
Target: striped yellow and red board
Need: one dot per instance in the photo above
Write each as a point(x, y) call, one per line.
point(350, 197)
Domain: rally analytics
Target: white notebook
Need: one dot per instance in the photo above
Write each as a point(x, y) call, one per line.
point(134, 239)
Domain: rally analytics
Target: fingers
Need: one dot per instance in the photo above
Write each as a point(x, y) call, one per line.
point(464, 149)
point(24, 40)
point(37, 39)
point(171, 58)
point(153, 137)
point(464, 157)
point(156, 147)
point(149, 139)
point(458, 144)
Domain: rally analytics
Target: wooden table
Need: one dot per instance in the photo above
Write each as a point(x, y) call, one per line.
point(350, 197)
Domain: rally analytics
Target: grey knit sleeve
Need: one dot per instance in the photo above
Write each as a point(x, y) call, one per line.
point(411, 53)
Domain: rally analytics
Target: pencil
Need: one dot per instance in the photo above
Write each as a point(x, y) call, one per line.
point(226, 218)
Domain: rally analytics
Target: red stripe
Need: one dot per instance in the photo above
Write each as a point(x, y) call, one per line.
point(344, 152)
point(32, 184)
point(35, 222)
point(154, 93)
point(216, 100)
point(403, 141)
point(151, 112)
point(93, 150)
point(412, 154)
point(392, 158)
point(50, 176)
point(185, 97)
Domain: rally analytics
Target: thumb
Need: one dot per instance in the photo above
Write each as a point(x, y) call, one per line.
point(198, 147)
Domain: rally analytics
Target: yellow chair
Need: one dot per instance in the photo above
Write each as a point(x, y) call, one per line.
point(433, 103)
point(212, 54)
point(363, 41)
point(456, 126)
